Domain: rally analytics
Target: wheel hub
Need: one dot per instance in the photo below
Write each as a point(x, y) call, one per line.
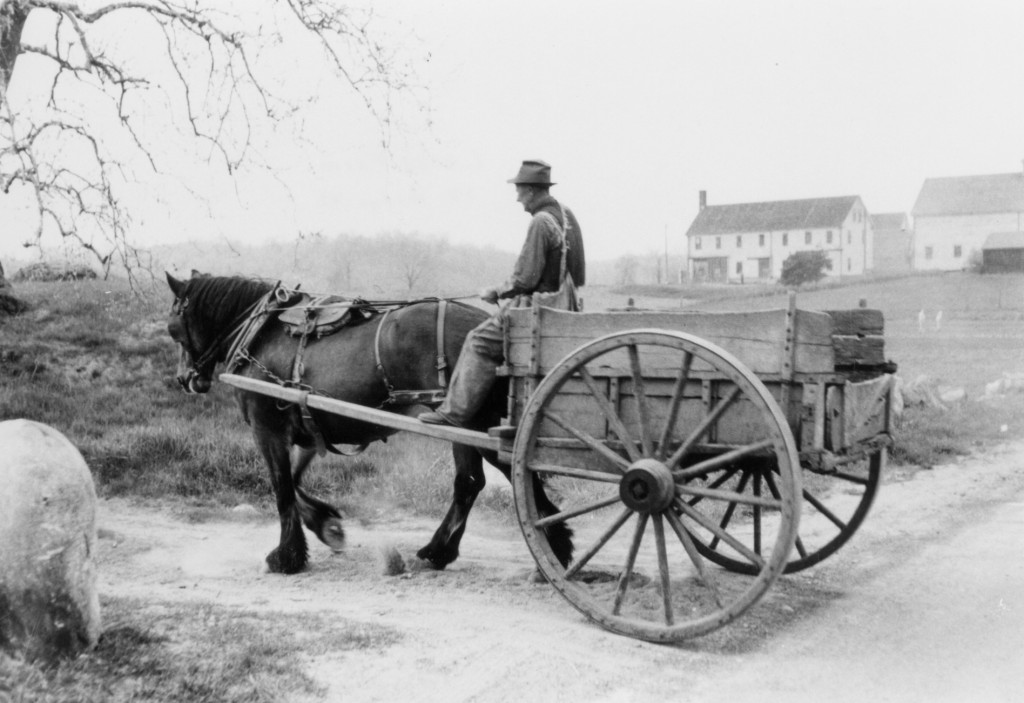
point(647, 487)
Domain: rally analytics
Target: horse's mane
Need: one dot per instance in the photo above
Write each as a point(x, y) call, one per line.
point(225, 297)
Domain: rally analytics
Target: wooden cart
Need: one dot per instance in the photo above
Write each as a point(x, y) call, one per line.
point(681, 442)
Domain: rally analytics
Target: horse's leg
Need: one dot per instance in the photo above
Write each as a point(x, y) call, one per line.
point(290, 555)
point(443, 547)
point(559, 534)
point(321, 518)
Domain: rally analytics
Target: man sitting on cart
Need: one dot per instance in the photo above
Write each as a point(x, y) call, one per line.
point(551, 262)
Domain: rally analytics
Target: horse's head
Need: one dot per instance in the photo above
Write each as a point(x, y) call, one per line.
point(197, 359)
point(207, 315)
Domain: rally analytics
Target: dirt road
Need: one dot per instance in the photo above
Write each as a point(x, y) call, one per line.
point(925, 604)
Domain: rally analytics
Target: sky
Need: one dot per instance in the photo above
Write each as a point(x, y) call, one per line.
point(638, 106)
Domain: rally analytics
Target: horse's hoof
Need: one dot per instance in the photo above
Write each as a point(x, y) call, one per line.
point(279, 565)
point(332, 533)
point(428, 560)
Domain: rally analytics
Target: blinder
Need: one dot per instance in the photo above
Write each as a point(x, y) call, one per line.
point(196, 380)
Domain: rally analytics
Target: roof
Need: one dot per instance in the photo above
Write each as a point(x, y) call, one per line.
point(776, 216)
point(1004, 240)
point(971, 195)
point(888, 220)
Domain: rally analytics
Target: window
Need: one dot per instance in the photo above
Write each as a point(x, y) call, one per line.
point(927, 252)
point(696, 242)
point(785, 239)
point(739, 241)
point(849, 237)
point(828, 237)
point(718, 242)
point(739, 267)
point(849, 263)
point(957, 251)
point(760, 240)
point(807, 237)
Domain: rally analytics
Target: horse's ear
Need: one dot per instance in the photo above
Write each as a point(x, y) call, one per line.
point(177, 287)
point(199, 274)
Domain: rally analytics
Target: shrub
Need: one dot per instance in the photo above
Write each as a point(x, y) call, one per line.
point(804, 267)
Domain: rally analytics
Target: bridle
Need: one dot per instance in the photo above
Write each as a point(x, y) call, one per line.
point(212, 352)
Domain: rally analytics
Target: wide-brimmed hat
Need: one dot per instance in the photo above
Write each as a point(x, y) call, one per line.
point(533, 172)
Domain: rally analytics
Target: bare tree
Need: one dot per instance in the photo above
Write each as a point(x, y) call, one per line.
point(124, 79)
point(416, 260)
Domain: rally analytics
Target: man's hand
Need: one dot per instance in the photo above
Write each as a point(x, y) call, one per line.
point(489, 295)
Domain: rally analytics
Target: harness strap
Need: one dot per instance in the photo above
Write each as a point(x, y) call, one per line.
point(377, 357)
point(442, 361)
point(298, 368)
point(414, 397)
point(312, 425)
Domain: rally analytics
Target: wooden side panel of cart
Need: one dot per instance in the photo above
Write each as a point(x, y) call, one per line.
point(805, 358)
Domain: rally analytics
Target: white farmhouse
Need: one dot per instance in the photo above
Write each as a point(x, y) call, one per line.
point(953, 217)
point(749, 241)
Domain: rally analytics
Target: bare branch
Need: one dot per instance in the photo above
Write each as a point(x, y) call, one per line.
point(212, 75)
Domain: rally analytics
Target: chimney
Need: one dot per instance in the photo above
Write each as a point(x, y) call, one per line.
point(703, 199)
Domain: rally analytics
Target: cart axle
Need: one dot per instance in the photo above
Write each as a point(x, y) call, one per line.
point(648, 486)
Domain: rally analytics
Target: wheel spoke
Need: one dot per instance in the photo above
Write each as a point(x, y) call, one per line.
point(703, 427)
point(627, 570)
point(703, 467)
point(714, 529)
point(614, 421)
point(640, 393)
point(724, 522)
point(666, 582)
point(769, 478)
point(574, 512)
point(726, 475)
point(571, 472)
point(591, 442)
point(756, 500)
point(850, 478)
point(757, 513)
point(677, 401)
point(698, 561)
point(813, 500)
point(596, 547)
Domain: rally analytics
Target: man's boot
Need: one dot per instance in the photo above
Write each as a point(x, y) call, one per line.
point(471, 382)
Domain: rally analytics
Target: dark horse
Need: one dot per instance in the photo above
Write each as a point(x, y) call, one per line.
point(204, 319)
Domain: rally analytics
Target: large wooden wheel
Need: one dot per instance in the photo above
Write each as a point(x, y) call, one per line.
point(629, 434)
point(834, 506)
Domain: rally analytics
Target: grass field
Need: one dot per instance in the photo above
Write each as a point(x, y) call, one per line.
point(94, 360)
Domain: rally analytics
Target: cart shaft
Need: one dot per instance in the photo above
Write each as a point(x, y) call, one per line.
point(353, 411)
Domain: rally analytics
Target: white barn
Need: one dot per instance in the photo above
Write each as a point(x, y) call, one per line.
point(953, 218)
